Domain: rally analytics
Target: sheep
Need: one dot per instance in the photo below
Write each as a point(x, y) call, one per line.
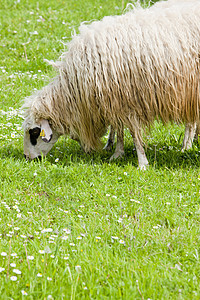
point(125, 70)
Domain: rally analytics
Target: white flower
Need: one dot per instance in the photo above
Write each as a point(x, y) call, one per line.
point(41, 251)
point(19, 215)
point(13, 265)
point(120, 220)
point(30, 257)
point(14, 254)
point(52, 256)
point(57, 159)
point(157, 226)
point(24, 293)
point(39, 275)
point(79, 238)
point(3, 254)
point(23, 236)
point(35, 174)
point(13, 278)
point(47, 230)
point(72, 244)
point(34, 32)
point(85, 288)
point(121, 242)
point(16, 228)
point(49, 278)
point(98, 237)
point(114, 237)
point(78, 268)
point(64, 237)
point(68, 231)
point(136, 201)
point(16, 271)
point(2, 269)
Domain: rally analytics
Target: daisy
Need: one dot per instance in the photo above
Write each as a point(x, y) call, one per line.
point(24, 293)
point(14, 254)
point(30, 257)
point(13, 278)
point(23, 236)
point(49, 278)
point(16, 271)
point(13, 265)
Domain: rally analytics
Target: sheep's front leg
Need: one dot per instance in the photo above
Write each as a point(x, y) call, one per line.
point(119, 150)
point(189, 136)
point(111, 139)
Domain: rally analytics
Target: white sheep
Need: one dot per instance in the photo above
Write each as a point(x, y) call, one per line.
point(124, 70)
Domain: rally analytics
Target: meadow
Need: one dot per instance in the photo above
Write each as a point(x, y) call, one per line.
point(77, 226)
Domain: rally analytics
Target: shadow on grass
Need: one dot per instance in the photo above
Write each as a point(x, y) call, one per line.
point(159, 155)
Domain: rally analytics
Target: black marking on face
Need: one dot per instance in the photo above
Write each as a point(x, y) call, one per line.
point(34, 134)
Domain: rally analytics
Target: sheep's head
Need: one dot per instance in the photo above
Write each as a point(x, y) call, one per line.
point(39, 138)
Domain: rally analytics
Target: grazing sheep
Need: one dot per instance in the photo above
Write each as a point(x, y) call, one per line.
point(125, 70)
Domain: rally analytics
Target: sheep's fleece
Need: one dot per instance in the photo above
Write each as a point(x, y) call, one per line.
point(124, 70)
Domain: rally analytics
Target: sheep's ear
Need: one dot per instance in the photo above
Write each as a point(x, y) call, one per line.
point(46, 132)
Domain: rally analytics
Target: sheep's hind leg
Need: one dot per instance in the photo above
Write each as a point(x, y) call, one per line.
point(111, 139)
point(189, 136)
point(119, 150)
point(142, 159)
point(197, 134)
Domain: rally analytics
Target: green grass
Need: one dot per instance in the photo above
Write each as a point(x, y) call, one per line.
point(134, 234)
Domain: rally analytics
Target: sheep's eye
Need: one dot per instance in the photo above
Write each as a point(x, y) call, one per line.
point(34, 134)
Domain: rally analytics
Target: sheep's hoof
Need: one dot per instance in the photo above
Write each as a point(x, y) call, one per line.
point(186, 147)
point(117, 155)
point(143, 167)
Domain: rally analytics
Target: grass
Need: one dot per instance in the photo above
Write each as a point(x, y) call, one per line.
point(75, 226)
